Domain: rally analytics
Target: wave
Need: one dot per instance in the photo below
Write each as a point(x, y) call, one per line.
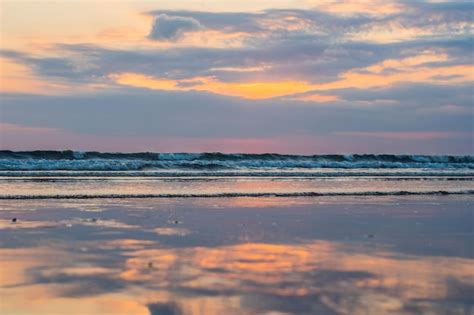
point(456, 174)
point(236, 194)
point(97, 161)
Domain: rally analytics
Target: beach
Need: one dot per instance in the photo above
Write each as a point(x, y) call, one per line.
point(245, 255)
point(201, 234)
point(285, 157)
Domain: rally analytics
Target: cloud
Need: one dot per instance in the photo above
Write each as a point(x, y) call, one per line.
point(294, 73)
point(248, 90)
point(292, 44)
point(420, 19)
point(187, 119)
point(164, 309)
point(406, 135)
point(224, 21)
point(171, 28)
point(354, 7)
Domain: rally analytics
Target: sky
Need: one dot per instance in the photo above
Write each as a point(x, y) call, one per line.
point(283, 76)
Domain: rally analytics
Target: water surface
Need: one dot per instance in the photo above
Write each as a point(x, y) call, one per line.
point(306, 255)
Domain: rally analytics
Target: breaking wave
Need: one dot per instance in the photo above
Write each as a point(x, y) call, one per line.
point(97, 161)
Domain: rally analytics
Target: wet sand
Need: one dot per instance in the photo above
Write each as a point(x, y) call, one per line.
point(323, 255)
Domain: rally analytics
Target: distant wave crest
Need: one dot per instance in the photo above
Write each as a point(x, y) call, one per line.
point(97, 161)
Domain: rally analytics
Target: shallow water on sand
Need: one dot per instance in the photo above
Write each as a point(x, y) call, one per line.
point(306, 255)
point(106, 186)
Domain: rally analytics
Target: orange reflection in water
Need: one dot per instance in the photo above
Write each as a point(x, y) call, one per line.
point(201, 280)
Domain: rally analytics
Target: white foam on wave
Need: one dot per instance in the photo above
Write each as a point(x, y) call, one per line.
point(90, 161)
point(307, 173)
point(125, 165)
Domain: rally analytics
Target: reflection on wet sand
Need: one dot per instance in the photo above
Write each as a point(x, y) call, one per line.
point(314, 277)
point(171, 269)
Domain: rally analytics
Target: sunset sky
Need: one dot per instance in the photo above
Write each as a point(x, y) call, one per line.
point(285, 76)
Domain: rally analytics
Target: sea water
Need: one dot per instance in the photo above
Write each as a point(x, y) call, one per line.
point(79, 175)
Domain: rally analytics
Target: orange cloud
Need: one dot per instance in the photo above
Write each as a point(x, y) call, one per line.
point(143, 81)
point(288, 23)
point(350, 7)
point(250, 90)
point(255, 90)
point(409, 69)
point(390, 32)
point(212, 38)
point(405, 64)
point(263, 89)
point(317, 98)
point(357, 79)
point(395, 31)
point(17, 78)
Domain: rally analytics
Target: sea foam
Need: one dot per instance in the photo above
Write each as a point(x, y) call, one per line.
point(96, 161)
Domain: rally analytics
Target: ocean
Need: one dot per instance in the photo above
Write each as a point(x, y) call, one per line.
point(80, 175)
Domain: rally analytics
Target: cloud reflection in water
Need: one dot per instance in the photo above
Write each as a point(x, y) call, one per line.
point(173, 270)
